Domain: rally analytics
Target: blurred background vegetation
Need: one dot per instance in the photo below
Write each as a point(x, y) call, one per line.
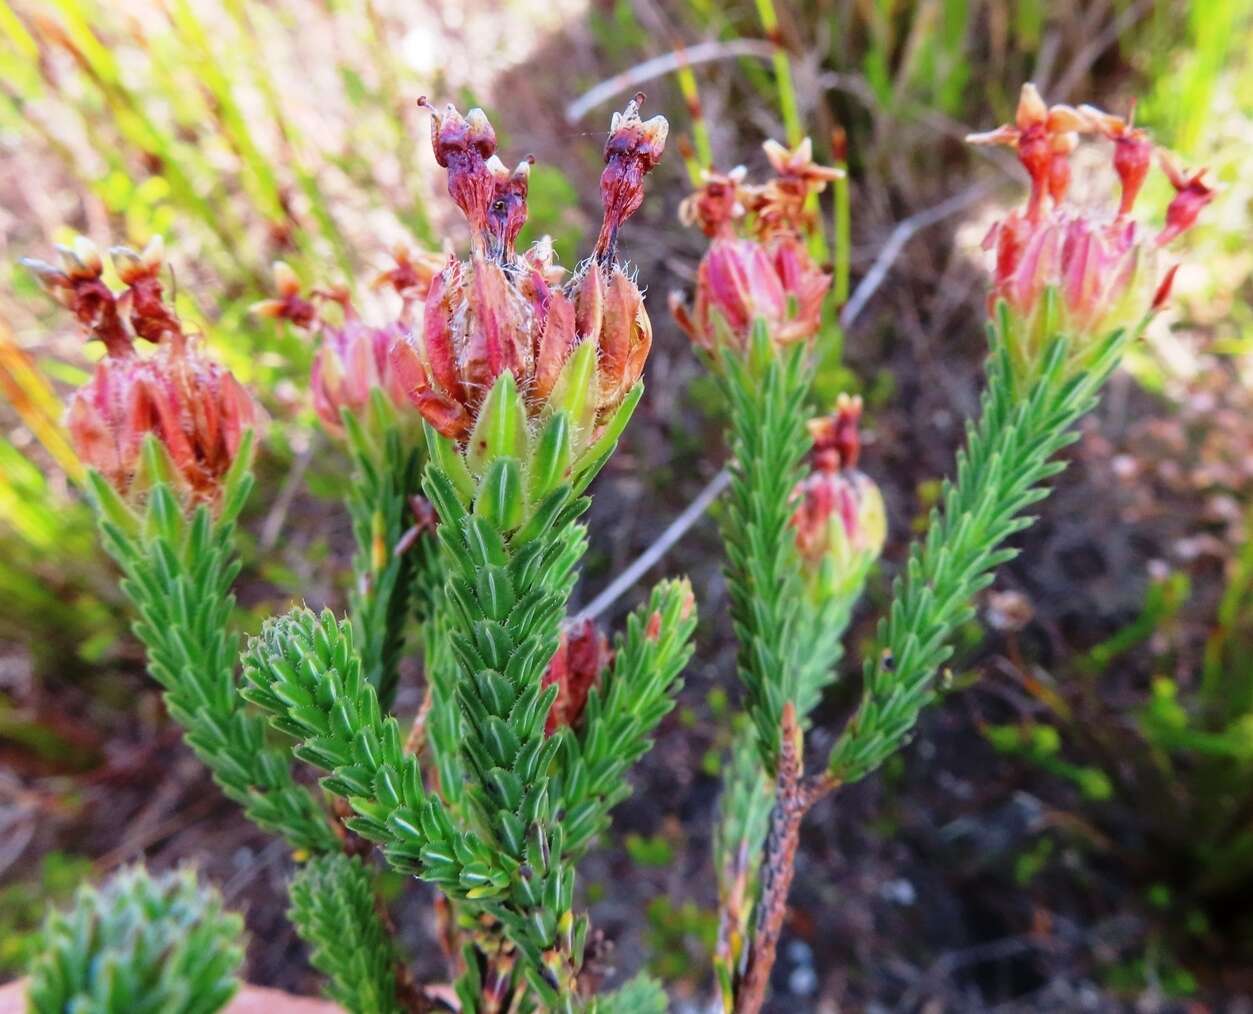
point(1100, 775)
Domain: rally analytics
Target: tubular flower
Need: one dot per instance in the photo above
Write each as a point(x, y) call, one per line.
point(581, 656)
point(1044, 137)
point(192, 404)
point(353, 357)
point(1078, 272)
point(757, 266)
point(505, 322)
point(840, 520)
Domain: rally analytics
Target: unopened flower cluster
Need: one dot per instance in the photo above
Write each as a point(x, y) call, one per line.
point(840, 520)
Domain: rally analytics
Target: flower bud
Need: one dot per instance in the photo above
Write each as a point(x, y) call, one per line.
point(352, 360)
point(194, 407)
point(581, 656)
point(840, 521)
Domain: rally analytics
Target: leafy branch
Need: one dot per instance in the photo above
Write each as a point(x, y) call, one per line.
point(1000, 474)
point(621, 714)
point(139, 945)
point(178, 572)
point(333, 902)
point(766, 394)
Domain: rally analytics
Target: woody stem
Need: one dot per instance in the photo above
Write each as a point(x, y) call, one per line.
point(794, 797)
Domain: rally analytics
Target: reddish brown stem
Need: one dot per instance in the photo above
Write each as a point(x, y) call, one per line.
point(794, 796)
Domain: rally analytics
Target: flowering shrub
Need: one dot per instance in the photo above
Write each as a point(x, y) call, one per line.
point(476, 421)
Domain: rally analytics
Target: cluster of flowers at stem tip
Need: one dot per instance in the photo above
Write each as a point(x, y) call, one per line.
point(840, 520)
point(1079, 271)
point(354, 357)
point(758, 266)
point(574, 343)
point(192, 404)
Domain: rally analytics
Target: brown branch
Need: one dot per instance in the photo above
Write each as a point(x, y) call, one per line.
point(795, 795)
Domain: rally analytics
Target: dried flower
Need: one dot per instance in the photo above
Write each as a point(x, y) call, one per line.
point(757, 266)
point(632, 150)
point(580, 658)
point(192, 404)
point(840, 520)
point(463, 146)
point(411, 273)
point(1075, 271)
point(500, 312)
point(779, 205)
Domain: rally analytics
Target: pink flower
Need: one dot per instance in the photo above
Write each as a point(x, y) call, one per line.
point(192, 404)
point(353, 357)
point(757, 267)
point(840, 521)
point(1100, 272)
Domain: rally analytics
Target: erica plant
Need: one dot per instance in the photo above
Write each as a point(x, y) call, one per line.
point(476, 419)
point(1072, 289)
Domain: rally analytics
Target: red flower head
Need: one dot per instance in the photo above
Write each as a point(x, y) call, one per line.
point(1097, 273)
point(757, 266)
point(840, 521)
point(501, 312)
point(192, 404)
point(582, 655)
